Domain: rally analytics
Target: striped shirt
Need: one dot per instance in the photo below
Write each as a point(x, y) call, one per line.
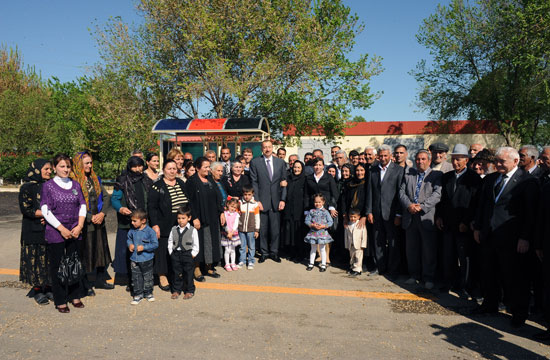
point(178, 197)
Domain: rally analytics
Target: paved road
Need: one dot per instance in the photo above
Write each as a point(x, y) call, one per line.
point(270, 312)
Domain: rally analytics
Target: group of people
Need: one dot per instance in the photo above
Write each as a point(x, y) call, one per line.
point(474, 225)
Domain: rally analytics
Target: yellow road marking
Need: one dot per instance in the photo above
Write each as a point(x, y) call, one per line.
point(294, 291)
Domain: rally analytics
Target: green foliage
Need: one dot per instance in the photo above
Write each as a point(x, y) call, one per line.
point(490, 61)
point(14, 168)
point(285, 60)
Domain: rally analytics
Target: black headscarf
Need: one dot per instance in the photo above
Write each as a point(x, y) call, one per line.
point(294, 177)
point(34, 173)
point(126, 181)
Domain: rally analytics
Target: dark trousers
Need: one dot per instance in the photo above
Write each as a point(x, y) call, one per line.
point(501, 264)
point(183, 266)
point(421, 251)
point(455, 258)
point(142, 277)
point(63, 293)
point(269, 224)
point(386, 248)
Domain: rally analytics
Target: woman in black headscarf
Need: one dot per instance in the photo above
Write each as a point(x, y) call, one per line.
point(355, 192)
point(293, 214)
point(338, 249)
point(130, 194)
point(206, 202)
point(33, 268)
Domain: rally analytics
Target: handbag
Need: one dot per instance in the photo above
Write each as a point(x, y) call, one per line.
point(70, 269)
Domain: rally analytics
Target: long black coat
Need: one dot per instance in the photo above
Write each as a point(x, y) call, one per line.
point(457, 205)
point(325, 186)
point(32, 230)
point(294, 207)
point(206, 204)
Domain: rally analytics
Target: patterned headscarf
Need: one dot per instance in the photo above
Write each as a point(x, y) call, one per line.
point(79, 175)
point(34, 173)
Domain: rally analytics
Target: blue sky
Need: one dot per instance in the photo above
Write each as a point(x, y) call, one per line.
point(54, 37)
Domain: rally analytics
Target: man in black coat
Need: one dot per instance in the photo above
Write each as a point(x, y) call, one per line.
point(528, 156)
point(266, 174)
point(504, 226)
point(542, 246)
point(382, 203)
point(454, 213)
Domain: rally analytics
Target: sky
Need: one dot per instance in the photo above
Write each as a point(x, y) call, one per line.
point(55, 37)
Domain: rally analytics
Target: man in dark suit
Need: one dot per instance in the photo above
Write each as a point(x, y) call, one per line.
point(504, 226)
point(454, 214)
point(266, 174)
point(528, 156)
point(382, 201)
point(542, 246)
point(419, 194)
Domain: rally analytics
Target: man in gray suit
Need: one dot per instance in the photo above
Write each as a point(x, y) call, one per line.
point(382, 203)
point(419, 194)
point(266, 174)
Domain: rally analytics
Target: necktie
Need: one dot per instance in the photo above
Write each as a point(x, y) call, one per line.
point(269, 171)
point(499, 186)
point(418, 186)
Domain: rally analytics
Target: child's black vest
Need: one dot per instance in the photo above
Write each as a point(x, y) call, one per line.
point(182, 240)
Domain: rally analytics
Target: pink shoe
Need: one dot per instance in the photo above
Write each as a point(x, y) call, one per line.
point(234, 267)
point(228, 267)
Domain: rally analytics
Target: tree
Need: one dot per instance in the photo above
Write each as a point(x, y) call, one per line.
point(286, 60)
point(22, 100)
point(490, 61)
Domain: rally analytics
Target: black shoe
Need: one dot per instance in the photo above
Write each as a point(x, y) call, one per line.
point(213, 274)
point(354, 273)
point(323, 268)
point(309, 267)
point(517, 322)
point(262, 259)
point(104, 285)
point(200, 278)
point(543, 336)
point(275, 258)
point(49, 295)
point(91, 292)
point(128, 288)
point(164, 288)
point(484, 309)
point(41, 299)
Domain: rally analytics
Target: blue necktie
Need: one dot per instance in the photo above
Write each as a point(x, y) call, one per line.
point(418, 186)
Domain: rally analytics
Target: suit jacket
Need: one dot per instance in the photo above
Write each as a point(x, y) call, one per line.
point(446, 167)
point(458, 199)
point(429, 196)
point(513, 216)
point(538, 172)
point(356, 237)
point(325, 186)
point(268, 192)
point(383, 197)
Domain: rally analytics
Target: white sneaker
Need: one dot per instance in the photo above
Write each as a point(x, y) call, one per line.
point(250, 266)
point(411, 281)
point(429, 285)
point(240, 265)
point(150, 298)
point(136, 300)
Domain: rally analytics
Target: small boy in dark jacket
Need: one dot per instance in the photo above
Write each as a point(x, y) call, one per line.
point(142, 242)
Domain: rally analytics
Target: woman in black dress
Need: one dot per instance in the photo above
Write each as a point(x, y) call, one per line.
point(233, 184)
point(33, 267)
point(355, 193)
point(129, 194)
point(97, 256)
point(164, 199)
point(293, 214)
point(206, 203)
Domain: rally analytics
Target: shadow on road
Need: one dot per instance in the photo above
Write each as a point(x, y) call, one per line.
point(482, 340)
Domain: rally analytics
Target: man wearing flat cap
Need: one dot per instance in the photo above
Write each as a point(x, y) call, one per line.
point(454, 214)
point(439, 157)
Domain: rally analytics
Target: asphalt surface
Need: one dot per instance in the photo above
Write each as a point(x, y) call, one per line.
point(268, 313)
